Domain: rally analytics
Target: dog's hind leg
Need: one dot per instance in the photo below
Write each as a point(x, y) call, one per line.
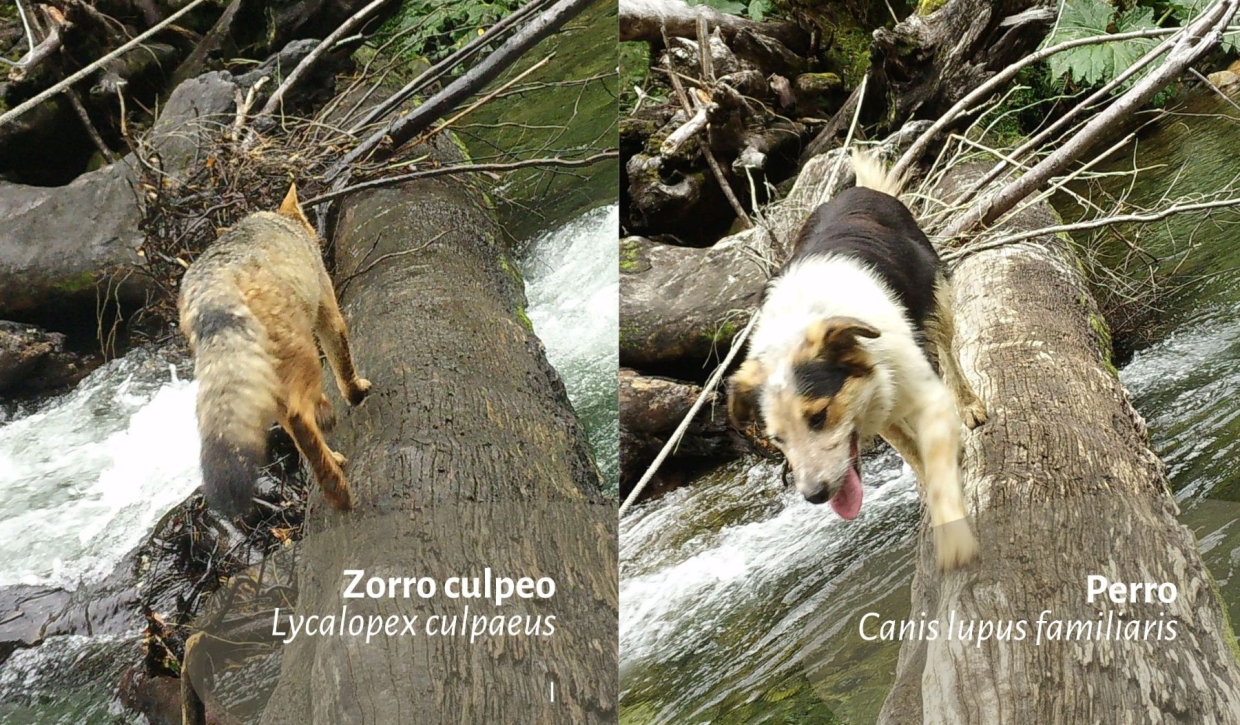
point(333, 335)
point(940, 332)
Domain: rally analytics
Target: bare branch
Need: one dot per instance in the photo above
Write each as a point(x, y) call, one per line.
point(328, 43)
point(406, 128)
point(435, 72)
point(462, 169)
point(962, 106)
point(21, 108)
point(1199, 36)
point(1090, 224)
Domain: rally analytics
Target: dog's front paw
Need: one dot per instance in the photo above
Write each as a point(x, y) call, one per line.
point(358, 390)
point(955, 545)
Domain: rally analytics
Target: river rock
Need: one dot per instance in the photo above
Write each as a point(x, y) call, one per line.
point(63, 248)
point(24, 612)
point(681, 306)
point(34, 360)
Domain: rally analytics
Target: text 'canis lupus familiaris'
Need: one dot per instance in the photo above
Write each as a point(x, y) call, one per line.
point(252, 306)
point(844, 350)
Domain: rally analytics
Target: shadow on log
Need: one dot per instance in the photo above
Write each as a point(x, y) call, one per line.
point(1062, 485)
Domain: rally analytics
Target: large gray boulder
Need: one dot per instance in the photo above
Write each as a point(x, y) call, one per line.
point(63, 248)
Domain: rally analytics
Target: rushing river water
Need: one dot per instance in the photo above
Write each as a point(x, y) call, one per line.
point(85, 475)
point(572, 277)
point(717, 577)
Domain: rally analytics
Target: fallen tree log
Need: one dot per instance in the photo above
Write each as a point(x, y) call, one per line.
point(466, 455)
point(650, 409)
point(1062, 485)
point(645, 20)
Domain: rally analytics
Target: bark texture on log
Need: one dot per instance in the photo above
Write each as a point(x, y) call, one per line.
point(1062, 485)
point(466, 455)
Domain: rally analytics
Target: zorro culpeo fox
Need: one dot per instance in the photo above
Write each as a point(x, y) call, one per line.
point(252, 306)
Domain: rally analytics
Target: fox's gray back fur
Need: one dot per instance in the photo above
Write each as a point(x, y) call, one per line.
point(234, 352)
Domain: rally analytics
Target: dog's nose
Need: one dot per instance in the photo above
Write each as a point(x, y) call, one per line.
point(819, 496)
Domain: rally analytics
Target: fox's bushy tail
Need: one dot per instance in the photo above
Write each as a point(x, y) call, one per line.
point(874, 174)
point(237, 388)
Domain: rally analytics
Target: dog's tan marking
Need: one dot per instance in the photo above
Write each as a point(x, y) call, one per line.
point(743, 391)
point(940, 333)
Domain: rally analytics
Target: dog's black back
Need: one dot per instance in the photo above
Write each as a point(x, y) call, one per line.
point(877, 229)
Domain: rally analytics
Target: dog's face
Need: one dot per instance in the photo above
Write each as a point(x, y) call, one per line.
point(814, 406)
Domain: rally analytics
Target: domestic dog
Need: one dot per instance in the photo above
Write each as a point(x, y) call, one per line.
point(845, 347)
point(252, 306)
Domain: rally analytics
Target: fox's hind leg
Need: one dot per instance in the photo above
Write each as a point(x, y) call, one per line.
point(940, 331)
point(303, 386)
point(333, 335)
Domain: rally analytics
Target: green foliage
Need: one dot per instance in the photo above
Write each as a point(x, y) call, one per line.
point(1188, 9)
point(432, 29)
point(1100, 62)
point(754, 9)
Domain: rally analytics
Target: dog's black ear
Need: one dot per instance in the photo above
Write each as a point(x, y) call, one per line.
point(835, 338)
point(743, 392)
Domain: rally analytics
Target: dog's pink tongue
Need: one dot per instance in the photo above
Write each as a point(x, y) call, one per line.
point(847, 500)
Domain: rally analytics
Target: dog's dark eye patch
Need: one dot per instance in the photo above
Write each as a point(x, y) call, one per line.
point(817, 419)
point(819, 379)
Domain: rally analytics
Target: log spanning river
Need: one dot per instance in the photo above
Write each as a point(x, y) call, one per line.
point(84, 476)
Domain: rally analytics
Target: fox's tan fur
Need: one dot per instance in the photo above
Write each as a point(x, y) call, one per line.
point(252, 307)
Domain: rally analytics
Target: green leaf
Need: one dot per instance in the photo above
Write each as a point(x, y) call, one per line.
point(758, 9)
point(1098, 63)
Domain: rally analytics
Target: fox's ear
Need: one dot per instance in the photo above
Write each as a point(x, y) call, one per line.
point(290, 207)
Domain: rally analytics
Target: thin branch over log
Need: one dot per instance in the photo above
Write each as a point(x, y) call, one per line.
point(421, 118)
point(328, 43)
point(1199, 37)
point(462, 169)
point(21, 108)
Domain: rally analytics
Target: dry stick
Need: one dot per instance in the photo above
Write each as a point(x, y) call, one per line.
point(915, 151)
point(435, 72)
point(474, 106)
point(713, 163)
point(84, 117)
point(676, 138)
point(18, 110)
point(29, 38)
point(419, 119)
point(1037, 139)
point(1091, 224)
point(461, 169)
point(711, 384)
point(1202, 34)
point(304, 66)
